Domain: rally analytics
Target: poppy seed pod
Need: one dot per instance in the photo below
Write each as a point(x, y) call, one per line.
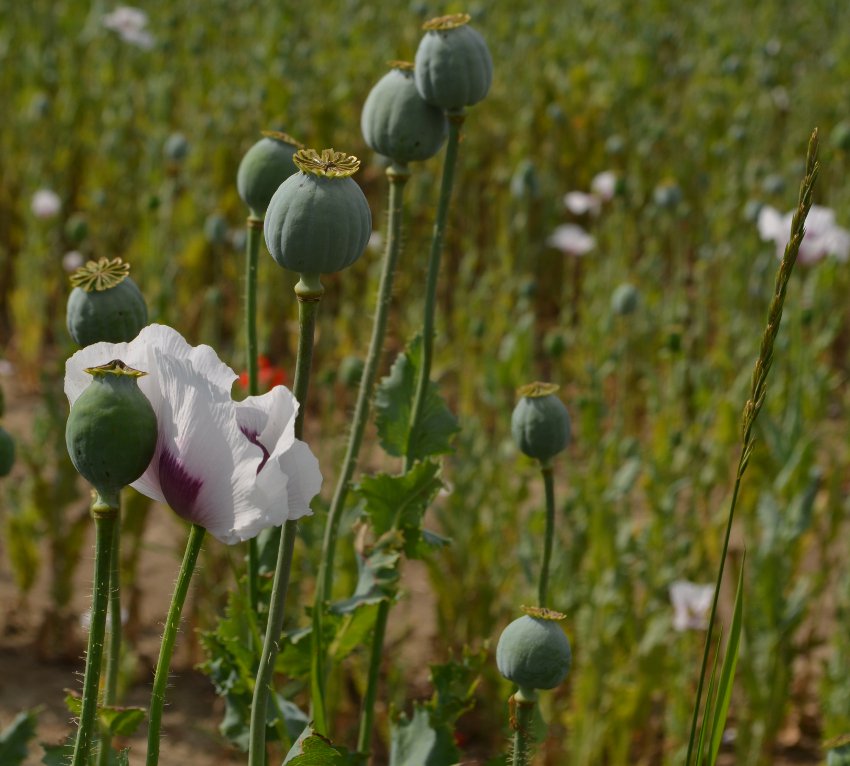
point(625, 299)
point(265, 166)
point(111, 432)
point(453, 67)
point(533, 651)
point(318, 221)
point(105, 304)
point(7, 452)
point(540, 423)
point(397, 123)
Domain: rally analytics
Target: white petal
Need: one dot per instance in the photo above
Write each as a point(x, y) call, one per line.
point(571, 239)
point(770, 225)
point(305, 478)
point(579, 203)
point(604, 185)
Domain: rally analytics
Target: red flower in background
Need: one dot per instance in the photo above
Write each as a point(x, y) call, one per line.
point(269, 375)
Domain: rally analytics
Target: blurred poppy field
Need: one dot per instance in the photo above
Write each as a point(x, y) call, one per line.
point(621, 202)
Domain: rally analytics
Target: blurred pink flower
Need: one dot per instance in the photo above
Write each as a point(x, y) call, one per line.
point(579, 203)
point(131, 25)
point(691, 604)
point(571, 240)
point(604, 185)
point(72, 260)
point(823, 236)
point(235, 468)
point(45, 204)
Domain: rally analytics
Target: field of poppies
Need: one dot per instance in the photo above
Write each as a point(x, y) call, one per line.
point(425, 385)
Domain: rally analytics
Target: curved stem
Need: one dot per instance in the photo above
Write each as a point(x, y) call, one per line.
point(367, 713)
point(309, 291)
point(397, 177)
point(523, 704)
point(104, 522)
point(252, 251)
point(169, 637)
point(455, 123)
point(113, 649)
point(549, 486)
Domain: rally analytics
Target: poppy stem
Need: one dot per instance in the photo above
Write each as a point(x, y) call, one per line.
point(549, 488)
point(523, 704)
point(397, 176)
point(104, 522)
point(309, 291)
point(169, 637)
point(252, 249)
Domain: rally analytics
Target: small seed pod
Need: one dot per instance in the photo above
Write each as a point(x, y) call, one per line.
point(318, 221)
point(533, 651)
point(265, 166)
point(7, 452)
point(397, 123)
point(111, 432)
point(176, 148)
point(453, 67)
point(105, 304)
point(625, 299)
point(540, 423)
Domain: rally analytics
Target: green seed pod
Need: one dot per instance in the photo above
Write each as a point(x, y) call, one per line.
point(265, 166)
point(176, 148)
point(540, 423)
point(454, 68)
point(215, 229)
point(318, 221)
point(105, 304)
point(533, 651)
point(397, 123)
point(625, 299)
point(7, 452)
point(111, 432)
point(76, 228)
point(350, 371)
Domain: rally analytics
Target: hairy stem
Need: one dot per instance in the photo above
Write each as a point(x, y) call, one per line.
point(113, 649)
point(523, 704)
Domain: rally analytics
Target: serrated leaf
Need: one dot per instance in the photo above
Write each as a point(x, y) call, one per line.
point(400, 502)
point(353, 632)
point(73, 702)
point(419, 741)
point(312, 749)
point(454, 686)
point(58, 755)
point(121, 721)
point(393, 405)
point(377, 573)
point(15, 738)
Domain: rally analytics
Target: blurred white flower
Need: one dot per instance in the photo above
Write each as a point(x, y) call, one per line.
point(45, 204)
point(72, 260)
point(131, 25)
point(6, 368)
point(823, 236)
point(571, 240)
point(691, 604)
point(579, 203)
point(604, 185)
point(376, 241)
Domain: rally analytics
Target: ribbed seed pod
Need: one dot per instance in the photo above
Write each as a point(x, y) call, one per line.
point(318, 221)
point(397, 123)
point(540, 423)
point(533, 651)
point(111, 432)
point(453, 66)
point(265, 166)
point(105, 304)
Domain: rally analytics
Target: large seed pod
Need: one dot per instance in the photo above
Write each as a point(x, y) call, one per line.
point(453, 67)
point(105, 304)
point(533, 651)
point(540, 423)
point(397, 123)
point(111, 432)
point(265, 166)
point(318, 221)
point(7, 452)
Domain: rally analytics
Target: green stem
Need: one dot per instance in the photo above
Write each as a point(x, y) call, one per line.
point(367, 713)
point(455, 123)
point(549, 486)
point(252, 251)
point(104, 522)
point(113, 649)
point(524, 703)
point(309, 291)
point(397, 176)
point(169, 637)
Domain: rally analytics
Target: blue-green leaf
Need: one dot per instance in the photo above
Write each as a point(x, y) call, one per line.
point(312, 749)
point(419, 741)
point(15, 738)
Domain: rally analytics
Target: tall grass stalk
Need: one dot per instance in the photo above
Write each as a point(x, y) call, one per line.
point(758, 391)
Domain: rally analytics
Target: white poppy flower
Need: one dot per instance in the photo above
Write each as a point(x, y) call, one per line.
point(571, 240)
point(131, 25)
point(823, 235)
point(72, 260)
point(45, 204)
point(235, 468)
point(604, 185)
point(579, 203)
point(691, 604)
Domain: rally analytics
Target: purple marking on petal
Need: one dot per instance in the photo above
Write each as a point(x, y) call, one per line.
point(179, 487)
point(254, 438)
